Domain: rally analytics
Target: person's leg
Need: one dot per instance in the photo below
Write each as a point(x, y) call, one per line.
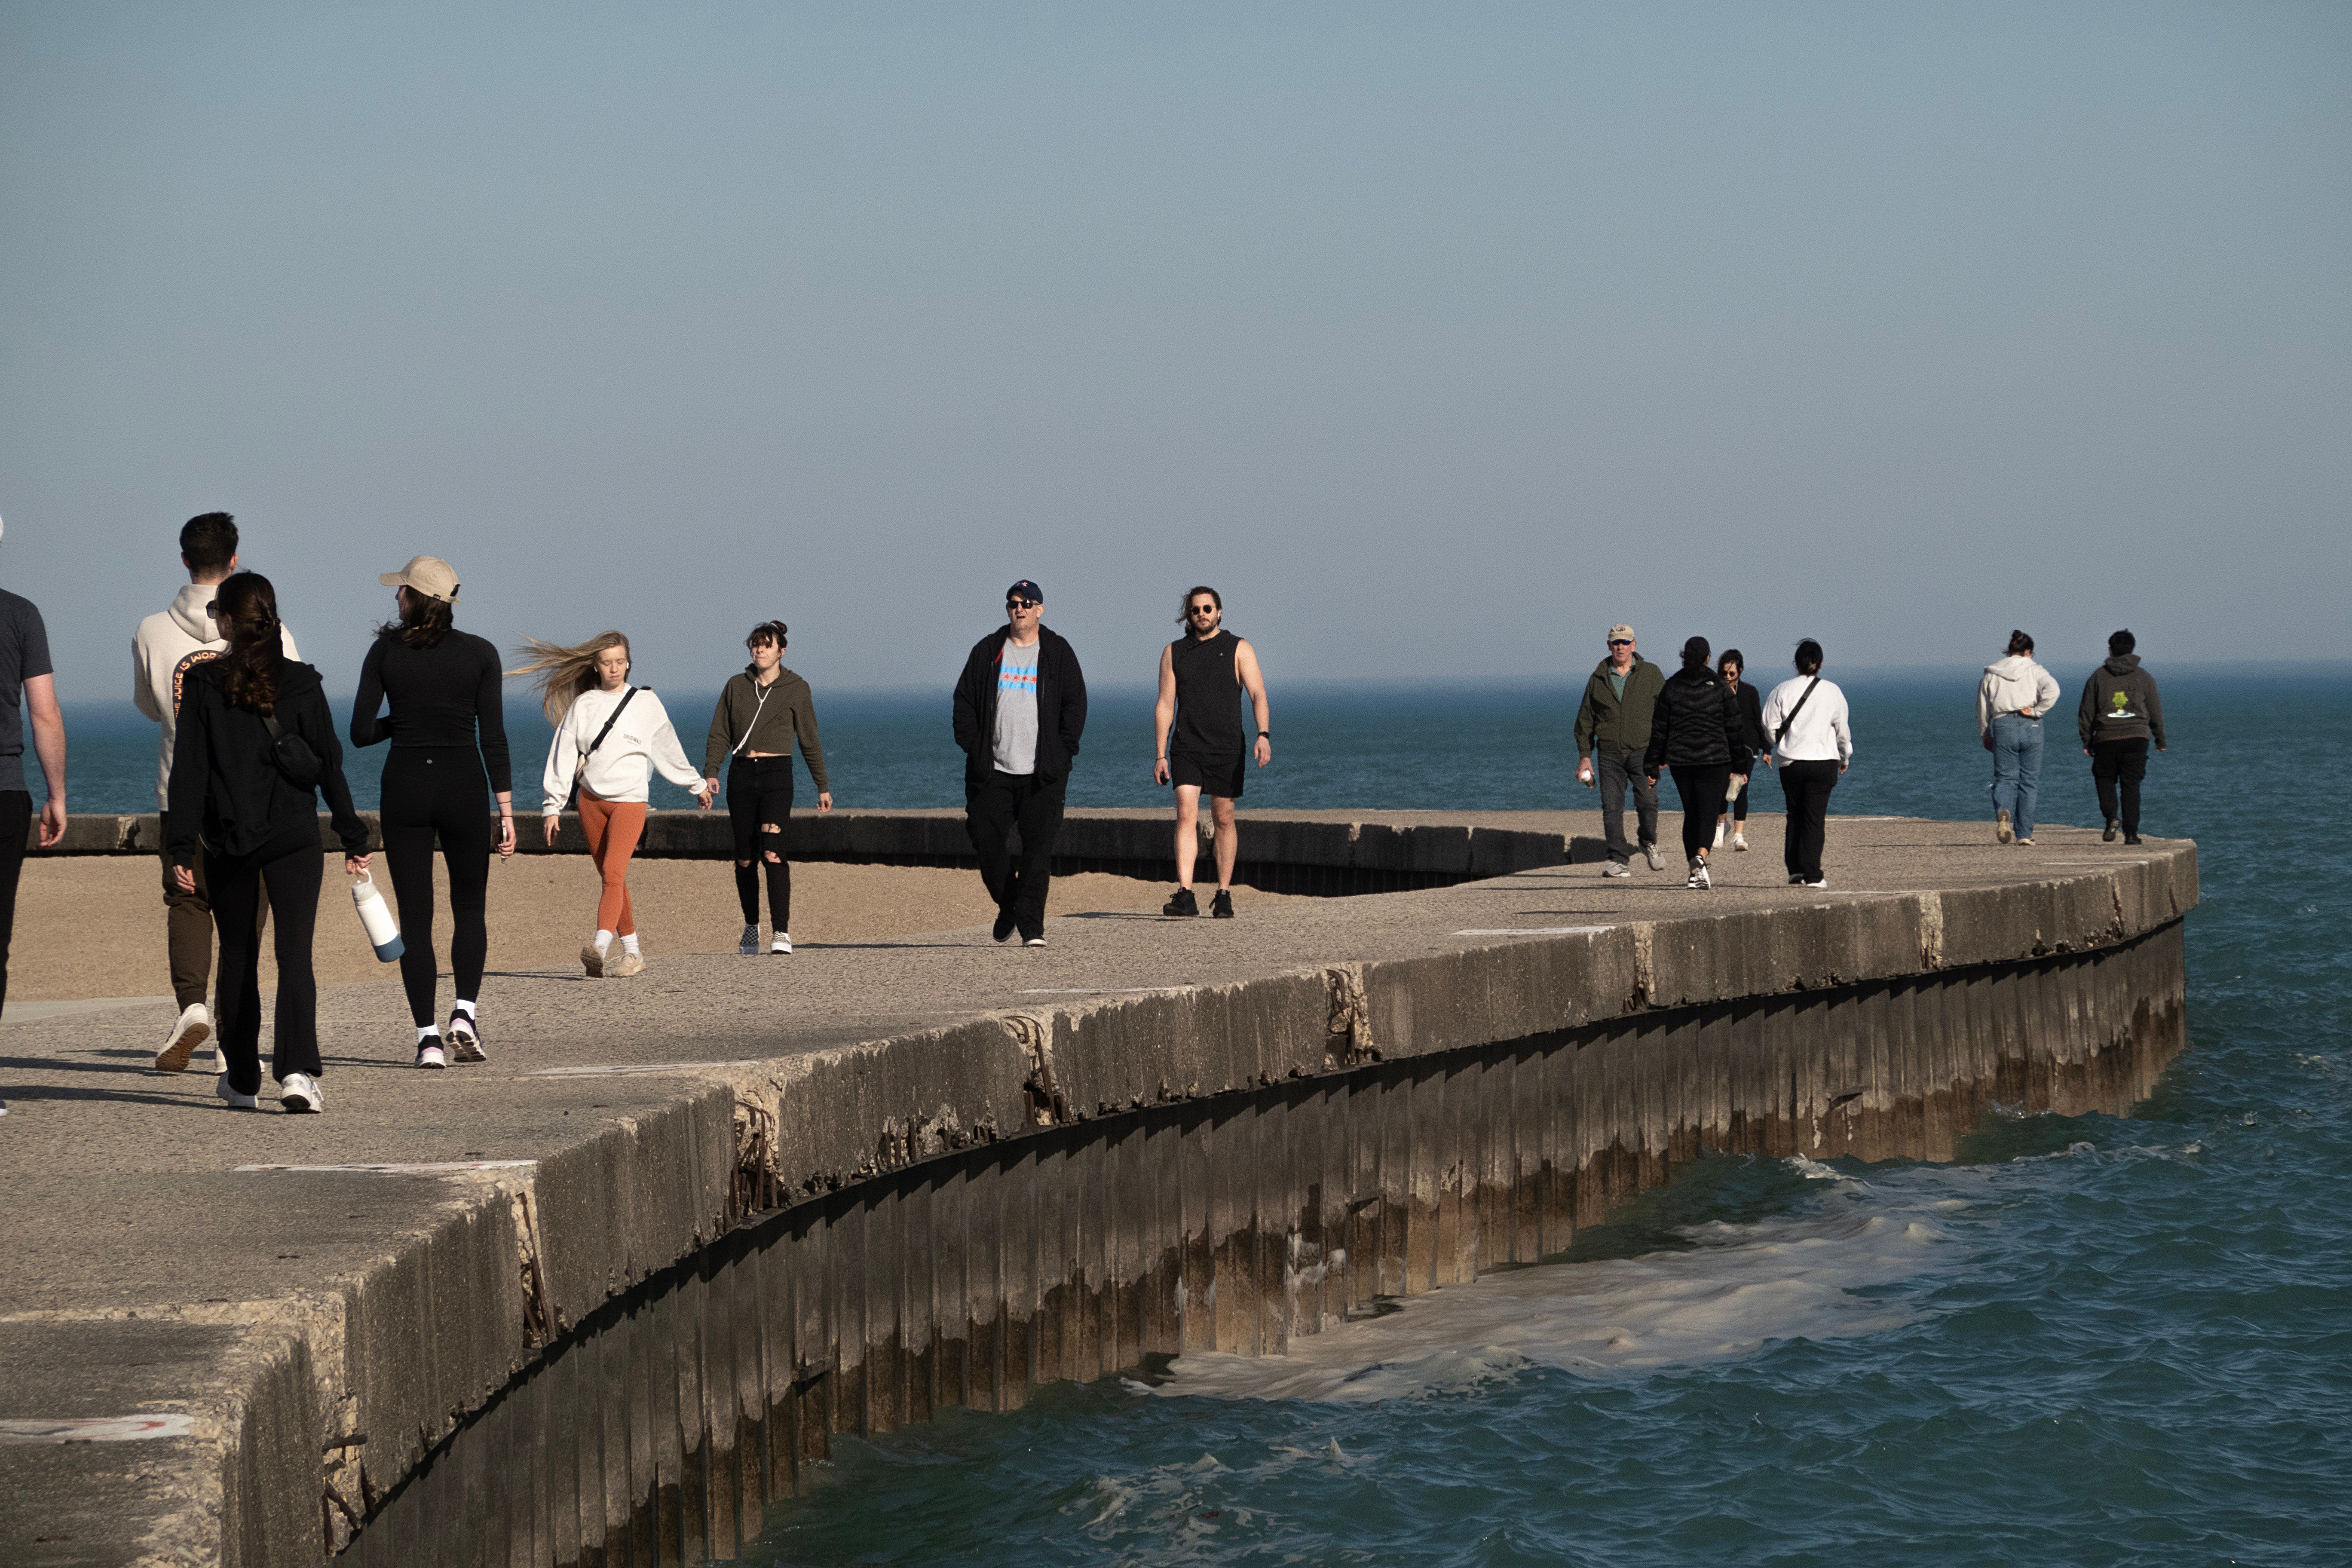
point(1188, 832)
point(236, 891)
point(2105, 762)
point(293, 880)
point(1697, 831)
point(188, 934)
point(408, 855)
point(1227, 835)
point(1611, 766)
point(1645, 800)
point(624, 825)
point(743, 805)
point(2028, 775)
point(467, 841)
point(2132, 767)
point(775, 798)
point(2004, 767)
point(15, 822)
point(597, 823)
point(987, 819)
point(1040, 810)
point(1821, 778)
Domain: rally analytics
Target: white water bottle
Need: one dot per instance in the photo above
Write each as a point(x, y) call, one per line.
point(376, 916)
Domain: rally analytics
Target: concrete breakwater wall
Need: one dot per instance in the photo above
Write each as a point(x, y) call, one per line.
point(661, 1427)
point(621, 1337)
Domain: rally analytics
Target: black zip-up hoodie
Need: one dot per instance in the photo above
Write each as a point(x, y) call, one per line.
point(225, 785)
point(2119, 703)
point(1697, 723)
point(1061, 706)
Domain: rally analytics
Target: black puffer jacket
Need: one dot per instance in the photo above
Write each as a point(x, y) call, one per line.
point(225, 786)
point(1696, 724)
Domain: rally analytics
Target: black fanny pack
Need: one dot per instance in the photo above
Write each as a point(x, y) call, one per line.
point(293, 757)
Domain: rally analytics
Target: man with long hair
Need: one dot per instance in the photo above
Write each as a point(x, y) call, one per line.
point(1196, 728)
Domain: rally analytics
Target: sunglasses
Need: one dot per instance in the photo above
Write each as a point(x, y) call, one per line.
point(1621, 642)
point(1022, 603)
point(1205, 609)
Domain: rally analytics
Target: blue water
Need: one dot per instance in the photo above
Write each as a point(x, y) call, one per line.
point(2091, 1340)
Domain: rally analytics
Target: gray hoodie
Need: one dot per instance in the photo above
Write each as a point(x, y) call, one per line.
point(168, 645)
point(2119, 703)
point(2013, 685)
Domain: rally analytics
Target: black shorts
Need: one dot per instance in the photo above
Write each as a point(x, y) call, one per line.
point(1219, 776)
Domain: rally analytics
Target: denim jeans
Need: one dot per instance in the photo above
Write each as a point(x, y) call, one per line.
point(2017, 768)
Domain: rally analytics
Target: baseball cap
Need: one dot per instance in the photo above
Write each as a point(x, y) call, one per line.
point(426, 574)
point(1621, 634)
point(1026, 589)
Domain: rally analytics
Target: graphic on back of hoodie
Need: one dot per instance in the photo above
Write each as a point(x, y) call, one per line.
point(180, 673)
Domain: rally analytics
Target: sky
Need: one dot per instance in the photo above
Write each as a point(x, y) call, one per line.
point(1437, 337)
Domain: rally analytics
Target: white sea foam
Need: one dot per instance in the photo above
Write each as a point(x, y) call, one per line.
point(1790, 1276)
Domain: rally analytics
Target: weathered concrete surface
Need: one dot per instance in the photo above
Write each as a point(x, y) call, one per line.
point(402, 1302)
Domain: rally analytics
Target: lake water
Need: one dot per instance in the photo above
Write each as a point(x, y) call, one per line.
point(2089, 1341)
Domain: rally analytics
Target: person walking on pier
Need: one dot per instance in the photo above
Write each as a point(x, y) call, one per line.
point(762, 712)
point(1812, 743)
point(1697, 729)
point(1020, 710)
point(609, 737)
point(254, 748)
point(1612, 734)
point(1196, 728)
point(2011, 699)
point(448, 735)
point(2119, 715)
point(168, 645)
point(27, 685)
point(1731, 665)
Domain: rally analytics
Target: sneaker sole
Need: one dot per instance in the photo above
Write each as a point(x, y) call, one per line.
point(469, 1051)
point(297, 1105)
point(174, 1057)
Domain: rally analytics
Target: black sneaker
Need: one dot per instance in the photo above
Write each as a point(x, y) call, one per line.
point(1222, 906)
point(2131, 838)
point(1184, 903)
point(464, 1038)
point(2113, 827)
point(1798, 881)
point(1002, 931)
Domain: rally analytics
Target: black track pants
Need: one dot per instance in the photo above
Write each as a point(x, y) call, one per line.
point(291, 867)
point(759, 790)
point(15, 822)
point(430, 791)
point(992, 807)
point(1807, 786)
point(2120, 763)
point(1702, 791)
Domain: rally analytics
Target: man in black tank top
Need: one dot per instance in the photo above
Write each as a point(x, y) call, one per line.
point(1197, 733)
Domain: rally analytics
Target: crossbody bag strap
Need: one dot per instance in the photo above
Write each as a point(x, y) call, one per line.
point(758, 708)
point(1790, 716)
point(609, 724)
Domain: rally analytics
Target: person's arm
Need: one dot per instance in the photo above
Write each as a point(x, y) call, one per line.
point(2086, 711)
point(2045, 692)
point(1163, 714)
point(812, 748)
point(143, 690)
point(1984, 710)
point(562, 760)
point(1660, 726)
point(1585, 720)
point(1254, 683)
point(968, 738)
point(184, 796)
point(50, 745)
point(663, 747)
point(1841, 724)
point(1074, 703)
point(491, 722)
point(366, 728)
point(722, 737)
point(2154, 710)
point(1765, 720)
point(348, 825)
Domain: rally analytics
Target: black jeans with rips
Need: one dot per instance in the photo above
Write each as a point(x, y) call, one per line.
point(994, 806)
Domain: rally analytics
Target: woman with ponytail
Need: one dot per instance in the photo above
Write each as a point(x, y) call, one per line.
point(609, 738)
point(254, 747)
point(2011, 698)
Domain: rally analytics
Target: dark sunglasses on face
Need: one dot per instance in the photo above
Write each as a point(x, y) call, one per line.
point(1619, 642)
point(1022, 603)
point(1205, 609)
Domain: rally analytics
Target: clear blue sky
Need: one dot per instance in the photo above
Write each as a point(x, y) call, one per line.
point(1436, 337)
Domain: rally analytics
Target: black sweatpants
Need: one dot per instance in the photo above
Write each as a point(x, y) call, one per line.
point(1807, 786)
point(759, 789)
point(430, 790)
point(15, 822)
point(992, 808)
point(1702, 791)
point(291, 867)
point(2120, 763)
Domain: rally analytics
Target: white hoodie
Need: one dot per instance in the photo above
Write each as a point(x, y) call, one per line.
point(2013, 685)
point(168, 645)
point(622, 768)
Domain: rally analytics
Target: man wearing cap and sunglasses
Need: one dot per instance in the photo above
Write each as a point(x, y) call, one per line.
point(1612, 729)
point(1019, 709)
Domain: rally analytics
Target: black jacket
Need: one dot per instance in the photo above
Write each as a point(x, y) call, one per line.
point(1751, 715)
point(1697, 723)
point(226, 787)
point(2119, 703)
point(1061, 706)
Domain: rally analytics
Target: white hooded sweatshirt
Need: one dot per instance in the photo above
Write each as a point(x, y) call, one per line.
point(2013, 685)
point(167, 646)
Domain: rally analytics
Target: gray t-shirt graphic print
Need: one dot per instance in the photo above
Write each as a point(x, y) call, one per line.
point(1015, 741)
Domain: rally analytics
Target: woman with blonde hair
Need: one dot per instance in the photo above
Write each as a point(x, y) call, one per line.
point(609, 737)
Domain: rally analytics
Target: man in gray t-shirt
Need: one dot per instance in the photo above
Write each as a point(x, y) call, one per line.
point(1020, 710)
point(1015, 741)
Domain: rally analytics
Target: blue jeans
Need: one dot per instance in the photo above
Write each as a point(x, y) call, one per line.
point(2017, 768)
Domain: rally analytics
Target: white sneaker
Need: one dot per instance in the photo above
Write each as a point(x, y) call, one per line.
point(236, 1100)
point(1698, 877)
point(300, 1093)
point(1740, 841)
point(783, 942)
point(1718, 832)
point(429, 1053)
point(464, 1038)
point(1616, 868)
point(748, 944)
point(1820, 883)
point(194, 1027)
point(1657, 856)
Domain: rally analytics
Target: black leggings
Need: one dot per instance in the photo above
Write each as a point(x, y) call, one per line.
point(292, 865)
point(1702, 790)
point(429, 789)
point(759, 789)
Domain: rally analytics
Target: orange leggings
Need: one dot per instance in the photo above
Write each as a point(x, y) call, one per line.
point(614, 829)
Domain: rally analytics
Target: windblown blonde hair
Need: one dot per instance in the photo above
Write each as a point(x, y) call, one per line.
point(565, 672)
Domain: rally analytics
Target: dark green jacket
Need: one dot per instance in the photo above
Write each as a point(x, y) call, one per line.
point(1606, 724)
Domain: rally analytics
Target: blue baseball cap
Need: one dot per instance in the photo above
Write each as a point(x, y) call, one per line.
point(1026, 589)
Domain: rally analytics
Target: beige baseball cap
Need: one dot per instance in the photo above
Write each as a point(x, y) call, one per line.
point(426, 574)
point(1616, 634)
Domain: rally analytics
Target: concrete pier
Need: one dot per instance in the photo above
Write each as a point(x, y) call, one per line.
point(598, 1300)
